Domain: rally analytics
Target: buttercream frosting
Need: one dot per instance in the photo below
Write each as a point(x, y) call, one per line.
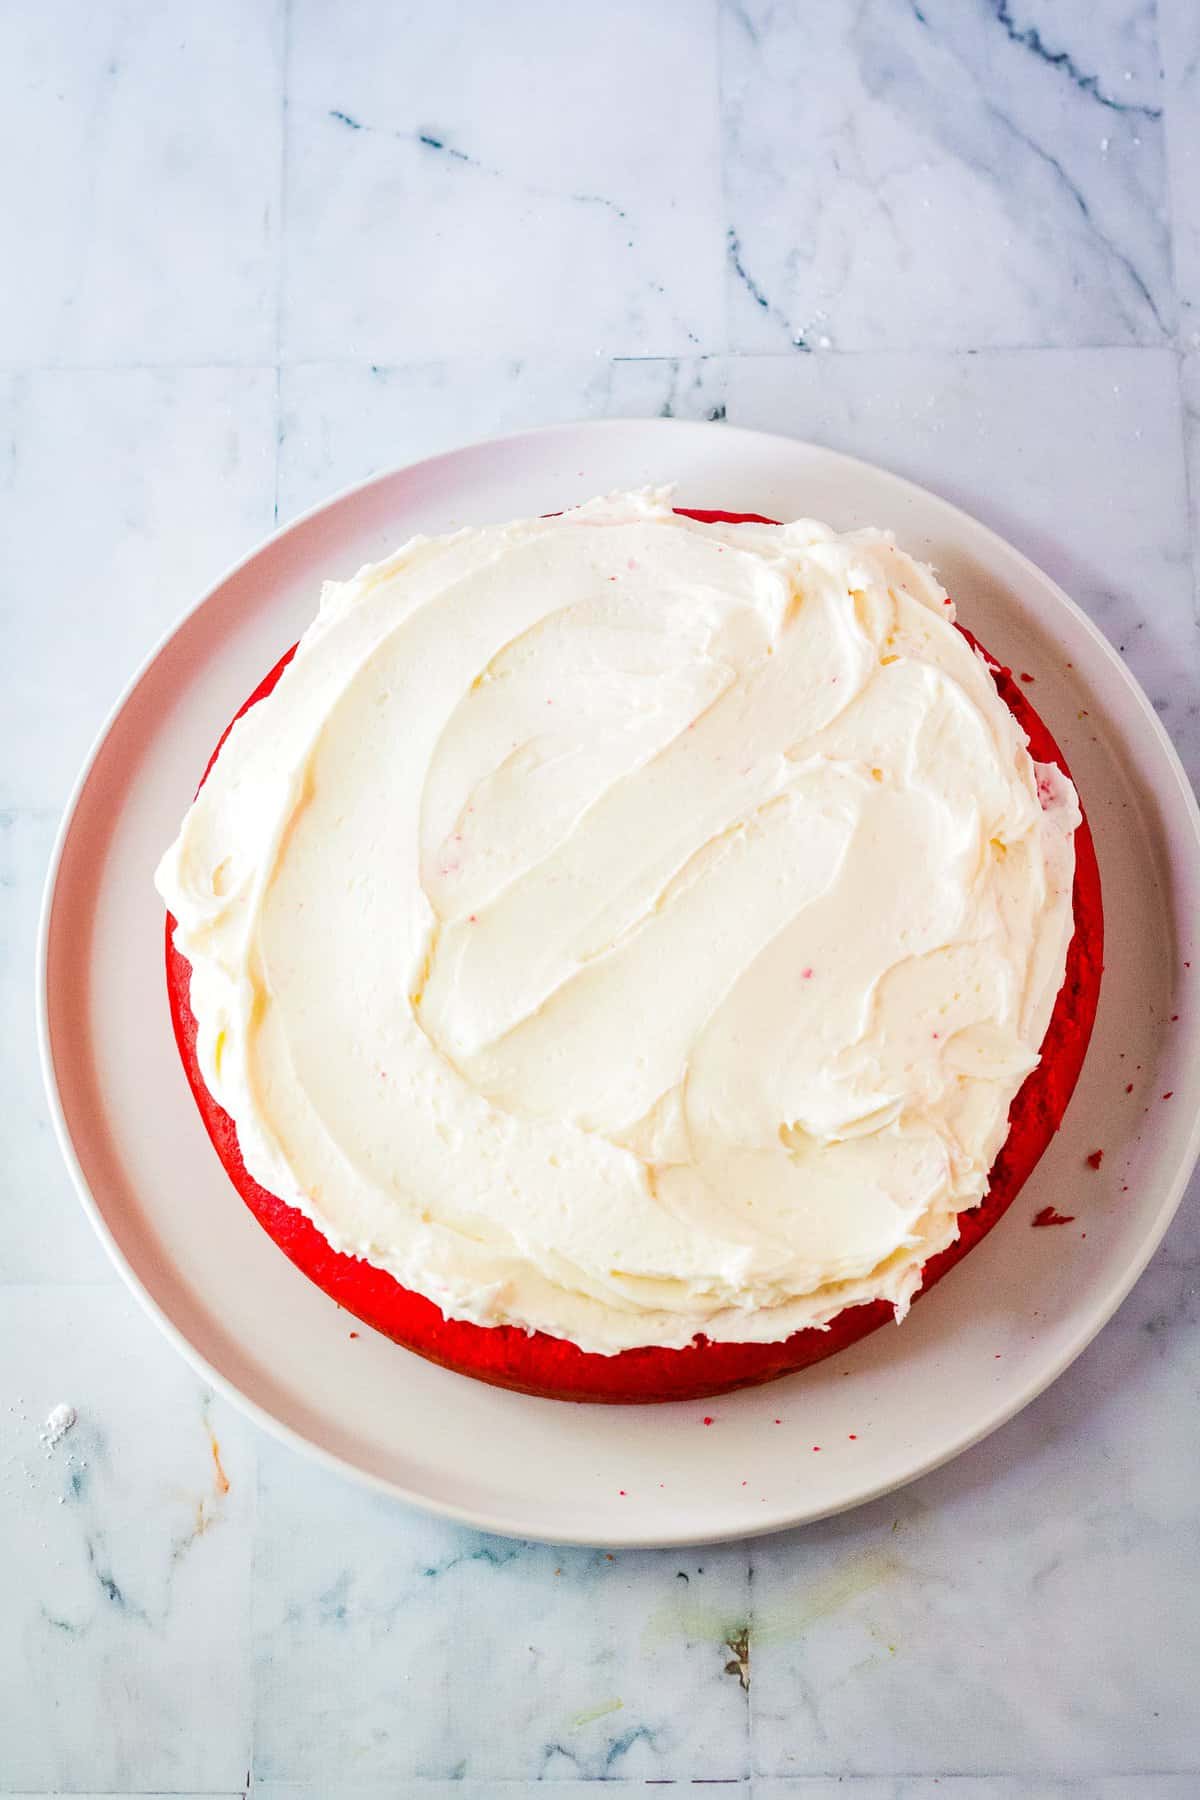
point(628, 927)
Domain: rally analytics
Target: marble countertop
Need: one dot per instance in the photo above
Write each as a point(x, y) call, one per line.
point(259, 248)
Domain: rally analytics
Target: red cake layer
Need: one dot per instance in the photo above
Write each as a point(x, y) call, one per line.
point(535, 1363)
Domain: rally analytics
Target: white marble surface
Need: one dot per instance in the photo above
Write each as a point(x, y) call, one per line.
point(258, 248)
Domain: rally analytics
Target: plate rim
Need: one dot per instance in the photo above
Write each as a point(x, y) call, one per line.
point(785, 1516)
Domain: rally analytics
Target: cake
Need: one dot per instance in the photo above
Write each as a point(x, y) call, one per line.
point(632, 954)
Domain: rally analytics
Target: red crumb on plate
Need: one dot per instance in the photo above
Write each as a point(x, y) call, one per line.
point(1048, 1216)
point(1025, 677)
point(1095, 1159)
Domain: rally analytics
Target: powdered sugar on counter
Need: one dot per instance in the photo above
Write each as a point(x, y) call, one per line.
point(58, 1422)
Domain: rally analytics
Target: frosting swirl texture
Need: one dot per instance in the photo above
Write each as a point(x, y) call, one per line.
point(628, 927)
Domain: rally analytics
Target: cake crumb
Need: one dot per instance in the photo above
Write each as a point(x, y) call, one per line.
point(1048, 1216)
point(1095, 1159)
point(58, 1422)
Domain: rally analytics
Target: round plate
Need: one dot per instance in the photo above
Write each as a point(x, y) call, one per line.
point(983, 1344)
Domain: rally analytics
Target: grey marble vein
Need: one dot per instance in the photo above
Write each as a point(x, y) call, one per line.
point(879, 134)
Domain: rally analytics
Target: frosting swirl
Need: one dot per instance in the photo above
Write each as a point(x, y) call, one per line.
point(628, 927)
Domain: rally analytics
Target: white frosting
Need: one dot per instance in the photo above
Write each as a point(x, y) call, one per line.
point(626, 927)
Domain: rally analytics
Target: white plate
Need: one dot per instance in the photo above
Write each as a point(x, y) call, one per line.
point(992, 1336)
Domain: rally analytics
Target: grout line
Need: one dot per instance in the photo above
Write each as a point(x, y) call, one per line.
point(1174, 174)
point(1191, 479)
point(500, 354)
point(182, 365)
point(523, 1784)
point(278, 442)
point(751, 1764)
point(285, 45)
point(259, 1439)
point(100, 1284)
point(724, 221)
point(1032, 1780)
point(686, 356)
point(799, 1783)
point(1174, 179)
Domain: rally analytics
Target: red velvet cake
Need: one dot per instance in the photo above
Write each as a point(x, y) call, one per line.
point(535, 1362)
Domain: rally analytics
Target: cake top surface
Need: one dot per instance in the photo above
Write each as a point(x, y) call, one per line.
point(629, 927)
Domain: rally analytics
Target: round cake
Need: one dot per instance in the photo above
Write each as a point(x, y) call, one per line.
point(632, 954)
